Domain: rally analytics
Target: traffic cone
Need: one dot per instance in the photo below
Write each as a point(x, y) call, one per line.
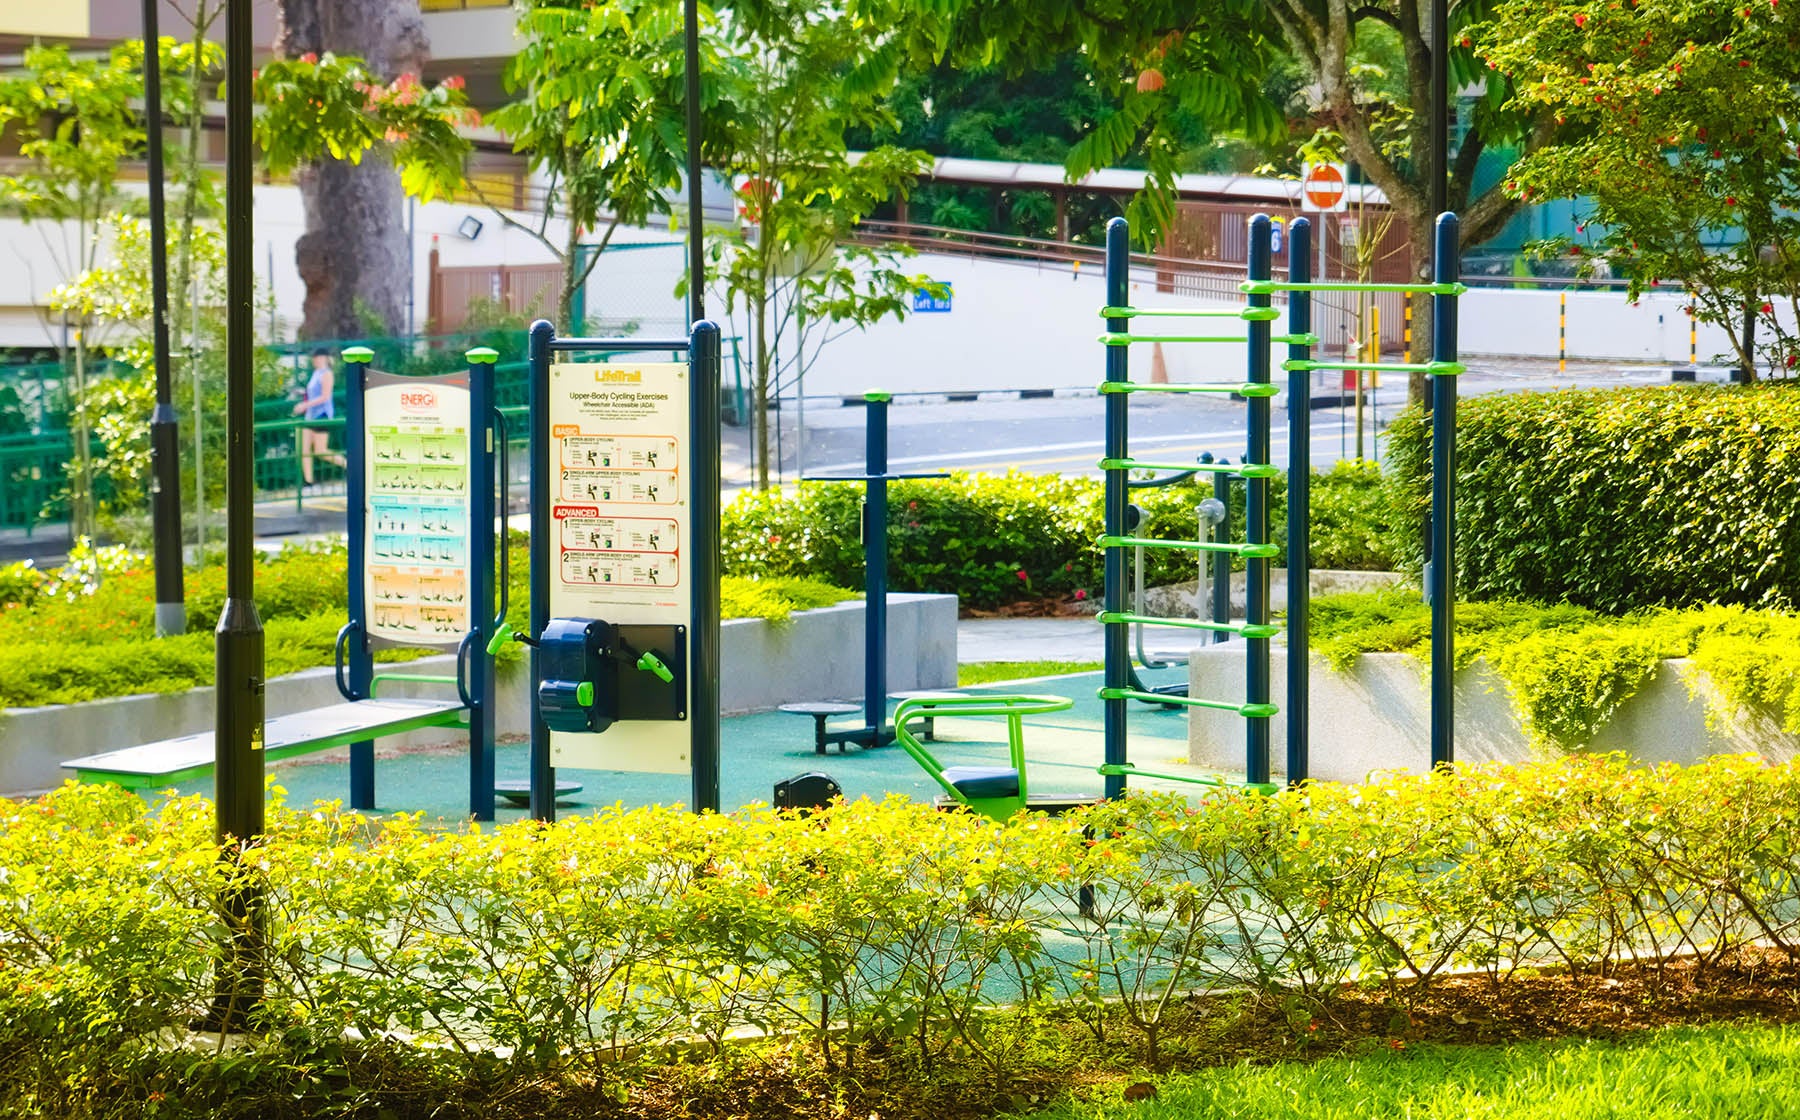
point(1159, 370)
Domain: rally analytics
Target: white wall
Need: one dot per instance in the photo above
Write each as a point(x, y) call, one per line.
point(1602, 325)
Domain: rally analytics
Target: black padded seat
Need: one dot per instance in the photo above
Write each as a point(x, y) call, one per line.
point(983, 781)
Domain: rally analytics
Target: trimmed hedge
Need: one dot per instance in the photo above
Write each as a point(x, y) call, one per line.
point(582, 953)
point(1617, 499)
point(88, 629)
point(994, 540)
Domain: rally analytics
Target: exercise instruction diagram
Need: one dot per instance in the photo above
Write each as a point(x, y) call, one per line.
point(418, 516)
point(619, 513)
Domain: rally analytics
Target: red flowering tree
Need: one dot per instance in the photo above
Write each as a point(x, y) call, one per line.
point(1688, 115)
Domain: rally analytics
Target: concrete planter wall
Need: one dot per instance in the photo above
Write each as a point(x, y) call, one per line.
point(1177, 599)
point(1376, 716)
point(815, 655)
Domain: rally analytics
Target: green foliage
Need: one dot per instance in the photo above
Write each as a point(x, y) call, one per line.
point(987, 672)
point(1568, 668)
point(1684, 116)
point(1722, 1069)
point(88, 630)
point(1000, 539)
point(1616, 500)
point(579, 954)
point(332, 105)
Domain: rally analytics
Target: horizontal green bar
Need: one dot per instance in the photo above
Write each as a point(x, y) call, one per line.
point(1436, 369)
point(1267, 287)
point(1170, 312)
point(1257, 551)
point(1297, 339)
point(1118, 338)
point(1248, 711)
point(1129, 770)
point(1242, 470)
point(1247, 629)
point(414, 678)
point(1242, 389)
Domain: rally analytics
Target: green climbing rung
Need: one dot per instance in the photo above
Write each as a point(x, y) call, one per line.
point(1242, 470)
point(1130, 770)
point(1120, 338)
point(1436, 369)
point(1254, 551)
point(1243, 389)
point(1268, 287)
point(1296, 339)
point(1247, 313)
point(1248, 711)
point(1246, 629)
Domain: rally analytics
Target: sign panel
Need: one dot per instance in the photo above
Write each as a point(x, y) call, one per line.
point(417, 576)
point(67, 20)
point(927, 302)
point(1324, 188)
point(619, 515)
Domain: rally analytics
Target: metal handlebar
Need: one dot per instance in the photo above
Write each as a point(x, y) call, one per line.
point(337, 659)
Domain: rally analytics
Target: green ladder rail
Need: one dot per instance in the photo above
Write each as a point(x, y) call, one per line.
point(1242, 470)
point(1248, 711)
point(1124, 338)
point(1242, 629)
point(1268, 287)
point(1218, 782)
point(1436, 369)
point(1247, 314)
point(1240, 389)
point(996, 792)
point(1257, 551)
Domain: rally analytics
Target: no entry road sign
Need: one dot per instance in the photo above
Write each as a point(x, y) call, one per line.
point(1322, 188)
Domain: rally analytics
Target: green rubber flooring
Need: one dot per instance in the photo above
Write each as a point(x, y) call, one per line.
point(1062, 750)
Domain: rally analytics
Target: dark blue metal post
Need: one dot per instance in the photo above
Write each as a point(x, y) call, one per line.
point(537, 354)
point(1443, 499)
point(875, 573)
point(1256, 518)
point(1299, 512)
point(1118, 370)
point(703, 527)
point(1221, 562)
point(359, 659)
point(480, 671)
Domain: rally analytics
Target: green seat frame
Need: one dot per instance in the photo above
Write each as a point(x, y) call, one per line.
point(1012, 707)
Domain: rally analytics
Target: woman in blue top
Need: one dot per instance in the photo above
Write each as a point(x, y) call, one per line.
point(318, 405)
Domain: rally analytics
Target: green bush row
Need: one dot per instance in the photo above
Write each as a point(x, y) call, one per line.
point(582, 950)
point(1569, 668)
point(88, 629)
point(1000, 539)
point(1617, 499)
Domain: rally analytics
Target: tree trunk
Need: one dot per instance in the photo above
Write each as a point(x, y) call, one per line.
point(1421, 251)
point(354, 255)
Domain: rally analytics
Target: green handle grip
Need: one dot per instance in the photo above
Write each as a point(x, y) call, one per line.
point(584, 694)
point(498, 640)
point(650, 663)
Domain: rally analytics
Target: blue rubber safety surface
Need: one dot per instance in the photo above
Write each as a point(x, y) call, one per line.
point(1062, 750)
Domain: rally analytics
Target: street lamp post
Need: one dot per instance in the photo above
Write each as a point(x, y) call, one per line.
point(165, 454)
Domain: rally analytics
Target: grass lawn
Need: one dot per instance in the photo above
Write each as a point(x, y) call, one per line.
point(987, 672)
point(1734, 1071)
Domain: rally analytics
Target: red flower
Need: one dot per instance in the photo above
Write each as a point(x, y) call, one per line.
point(1580, 19)
point(1080, 594)
point(311, 58)
point(1022, 574)
point(1730, 200)
point(454, 81)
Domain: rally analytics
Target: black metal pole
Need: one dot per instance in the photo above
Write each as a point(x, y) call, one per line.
point(1221, 562)
point(483, 453)
point(1299, 526)
point(1256, 519)
point(1118, 369)
point(359, 656)
point(696, 226)
point(537, 354)
point(1443, 501)
point(1440, 106)
point(165, 432)
point(703, 642)
point(238, 731)
point(875, 563)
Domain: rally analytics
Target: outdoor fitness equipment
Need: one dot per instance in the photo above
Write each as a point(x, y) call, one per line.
point(875, 731)
point(1210, 513)
point(996, 792)
point(425, 458)
point(624, 630)
point(1256, 469)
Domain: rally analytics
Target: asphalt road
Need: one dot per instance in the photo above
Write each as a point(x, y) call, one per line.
point(1064, 435)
